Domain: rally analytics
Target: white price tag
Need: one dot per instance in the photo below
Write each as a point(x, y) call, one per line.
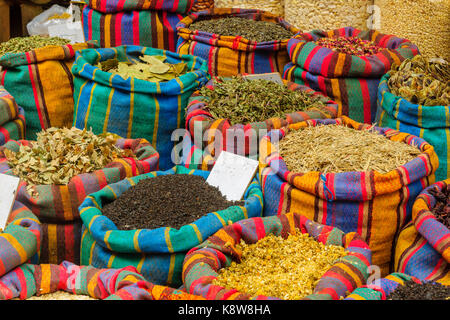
point(232, 174)
point(72, 31)
point(8, 190)
point(272, 76)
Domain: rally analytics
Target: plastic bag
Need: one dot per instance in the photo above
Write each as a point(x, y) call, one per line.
point(39, 25)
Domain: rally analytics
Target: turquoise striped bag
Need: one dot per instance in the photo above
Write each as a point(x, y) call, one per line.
point(157, 254)
point(431, 123)
point(134, 108)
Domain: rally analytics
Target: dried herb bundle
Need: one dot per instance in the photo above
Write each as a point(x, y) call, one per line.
point(152, 68)
point(245, 101)
point(253, 30)
point(25, 44)
point(58, 154)
point(338, 148)
point(421, 80)
point(284, 268)
point(350, 45)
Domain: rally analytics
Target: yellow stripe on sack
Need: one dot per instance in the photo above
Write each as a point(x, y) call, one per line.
point(156, 123)
point(130, 121)
point(220, 219)
point(168, 241)
point(82, 238)
point(111, 260)
point(244, 211)
point(337, 94)
point(126, 166)
point(92, 221)
point(91, 251)
point(339, 68)
point(93, 284)
point(108, 110)
point(109, 188)
point(52, 244)
point(66, 202)
point(140, 264)
point(136, 240)
point(46, 278)
point(79, 96)
point(90, 103)
point(171, 269)
point(197, 232)
point(179, 103)
point(107, 30)
point(105, 239)
point(351, 273)
point(16, 245)
point(160, 32)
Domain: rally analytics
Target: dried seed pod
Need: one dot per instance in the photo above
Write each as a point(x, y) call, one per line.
point(24, 44)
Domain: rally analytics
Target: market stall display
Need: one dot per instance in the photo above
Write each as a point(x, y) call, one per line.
point(423, 246)
point(157, 251)
point(355, 199)
point(40, 80)
point(12, 118)
point(229, 55)
point(61, 168)
point(132, 107)
point(349, 72)
point(204, 264)
point(134, 22)
point(414, 97)
point(235, 107)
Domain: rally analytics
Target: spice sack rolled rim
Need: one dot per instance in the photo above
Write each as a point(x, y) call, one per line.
point(323, 61)
point(202, 263)
point(233, 42)
point(85, 61)
point(425, 222)
point(163, 239)
point(114, 6)
point(423, 165)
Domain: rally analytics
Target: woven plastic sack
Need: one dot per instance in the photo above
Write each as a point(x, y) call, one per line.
point(157, 253)
point(203, 262)
point(12, 118)
point(431, 123)
point(382, 289)
point(200, 122)
point(375, 205)
point(351, 81)
point(272, 6)
point(125, 283)
point(149, 28)
point(59, 203)
point(423, 246)
point(134, 108)
point(42, 84)
point(229, 55)
point(21, 239)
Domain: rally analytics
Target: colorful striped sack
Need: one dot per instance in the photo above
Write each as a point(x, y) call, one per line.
point(202, 263)
point(20, 240)
point(352, 81)
point(423, 246)
point(42, 84)
point(375, 205)
point(134, 22)
point(382, 288)
point(59, 203)
point(203, 127)
point(156, 253)
point(229, 55)
point(12, 118)
point(134, 108)
point(431, 123)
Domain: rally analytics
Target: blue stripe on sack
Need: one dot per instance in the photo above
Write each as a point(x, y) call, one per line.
point(118, 113)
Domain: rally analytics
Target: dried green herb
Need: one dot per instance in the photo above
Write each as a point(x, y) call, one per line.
point(254, 30)
point(422, 80)
point(58, 154)
point(244, 101)
point(25, 44)
point(152, 68)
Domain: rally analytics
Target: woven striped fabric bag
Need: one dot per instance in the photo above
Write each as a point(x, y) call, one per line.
point(431, 123)
point(203, 262)
point(423, 246)
point(382, 288)
point(157, 253)
point(352, 81)
point(232, 55)
point(21, 239)
point(134, 108)
point(203, 126)
point(375, 205)
point(42, 84)
point(12, 118)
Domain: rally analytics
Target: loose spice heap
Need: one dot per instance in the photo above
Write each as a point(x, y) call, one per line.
point(61, 295)
point(152, 68)
point(253, 30)
point(411, 290)
point(350, 45)
point(284, 268)
point(338, 148)
point(25, 44)
point(58, 154)
point(422, 80)
point(165, 201)
point(244, 101)
point(441, 209)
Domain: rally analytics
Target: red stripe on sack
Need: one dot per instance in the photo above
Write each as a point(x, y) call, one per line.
point(5, 133)
point(2, 267)
point(90, 24)
point(120, 5)
point(436, 269)
point(23, 283)
point(69, 235)
point(118, 31)
point(5, 291)
point(77, 182)
point(329, 291)
point(3, 78)
point(412, 254)
point(259, 228)
point(423, 217)
point(326, 64)
point(443, 239)
point(366, 100)
point(368, 67)
point(33, 85)
point(310, 57)
point(360, 217)
point(168, 41)
point(135, 24)
point(227, 294)
point(281, 200)
point(334, 275)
